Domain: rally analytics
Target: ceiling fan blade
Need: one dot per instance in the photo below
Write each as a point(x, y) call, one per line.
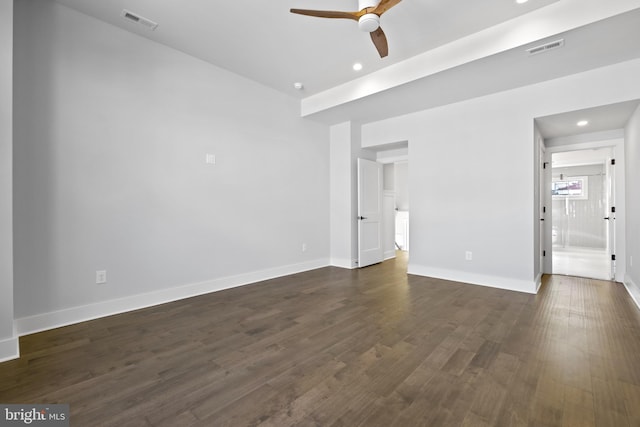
point(327, 14)
point(380, 42)
point(384, 5)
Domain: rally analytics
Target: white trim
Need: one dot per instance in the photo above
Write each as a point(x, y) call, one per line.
point(9, 349)
point(633, 289)
point(602, 143)
point(620, 201)
point(390, 254)
point(538, 282)
point(507, 283)
point(343, 263)
point(55, 319)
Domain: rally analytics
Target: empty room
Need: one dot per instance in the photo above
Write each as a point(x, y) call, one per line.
point(247, 214)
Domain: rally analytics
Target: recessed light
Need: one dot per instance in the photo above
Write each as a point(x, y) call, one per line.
point(298, 85)
point(582, 123)
point(357, 66)
point(521, 1)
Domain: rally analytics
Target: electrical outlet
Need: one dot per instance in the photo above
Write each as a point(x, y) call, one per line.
point(468, 255)
point(210, 159)
point(304, 247)
point(101, 277)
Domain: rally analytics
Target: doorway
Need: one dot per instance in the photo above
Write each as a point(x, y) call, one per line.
point(583, 224)
point(401, 191)
point(395, 160)
point(574, 138)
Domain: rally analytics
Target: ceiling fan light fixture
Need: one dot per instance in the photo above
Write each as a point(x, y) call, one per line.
point(369, 22)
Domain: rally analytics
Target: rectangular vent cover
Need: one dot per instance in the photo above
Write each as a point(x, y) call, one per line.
point(546, 47)
point(130, 16)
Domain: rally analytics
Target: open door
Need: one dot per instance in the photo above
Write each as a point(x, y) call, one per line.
point(583, 213)
point(542, 204)
point(610, 214)
point(370, 249)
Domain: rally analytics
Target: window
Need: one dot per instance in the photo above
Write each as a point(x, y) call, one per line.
point(572, 187)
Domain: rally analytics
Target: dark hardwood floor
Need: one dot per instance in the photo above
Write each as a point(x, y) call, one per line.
point(333, 347)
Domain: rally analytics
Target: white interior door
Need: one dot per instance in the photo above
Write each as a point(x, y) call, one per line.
point(370, 249)
point(610, 214)
point(543, 191)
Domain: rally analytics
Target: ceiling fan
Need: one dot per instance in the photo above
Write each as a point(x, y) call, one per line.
point(368, 18)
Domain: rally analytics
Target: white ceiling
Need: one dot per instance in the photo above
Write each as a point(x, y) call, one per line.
point(601, 118)
point(264, 42)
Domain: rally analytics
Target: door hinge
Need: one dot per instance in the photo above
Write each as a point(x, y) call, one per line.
point(544, 209)
point(544, 253)
point(613, 209)
point(613, 162)
point(613, 257)
point(544, 165)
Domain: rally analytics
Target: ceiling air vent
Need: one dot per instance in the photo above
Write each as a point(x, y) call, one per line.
point(546, 47)
point(130, 16)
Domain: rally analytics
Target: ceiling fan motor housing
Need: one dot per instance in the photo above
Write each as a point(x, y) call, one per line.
point(369, 22)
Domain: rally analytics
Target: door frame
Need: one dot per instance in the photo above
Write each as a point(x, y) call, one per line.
point(544, 182)
point(617, 144)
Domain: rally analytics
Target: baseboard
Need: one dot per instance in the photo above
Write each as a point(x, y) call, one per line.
point(538, 282)
point(342, 263)
point(45, 321)
point(499, 282)
point(9, 349)
point(389, 255)
point(633, 289)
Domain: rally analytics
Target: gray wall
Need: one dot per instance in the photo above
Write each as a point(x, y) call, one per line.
point(402, 185)
point(632, 158)
point(388, 174)
point(6, 239)
point(581, 223)
point(111, 132)
point(464, 204)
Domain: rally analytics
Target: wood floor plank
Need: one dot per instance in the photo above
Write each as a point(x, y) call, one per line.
point(335, 347)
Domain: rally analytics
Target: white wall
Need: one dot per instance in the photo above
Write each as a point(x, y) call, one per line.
point(111, 133)
point(341, 195)
point(8, 343)
point(345, 143)
point(402, 185)
point(632, 170)
point(388, 174)
point(472, 174)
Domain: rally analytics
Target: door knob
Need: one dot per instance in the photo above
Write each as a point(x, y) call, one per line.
point(362, 217)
